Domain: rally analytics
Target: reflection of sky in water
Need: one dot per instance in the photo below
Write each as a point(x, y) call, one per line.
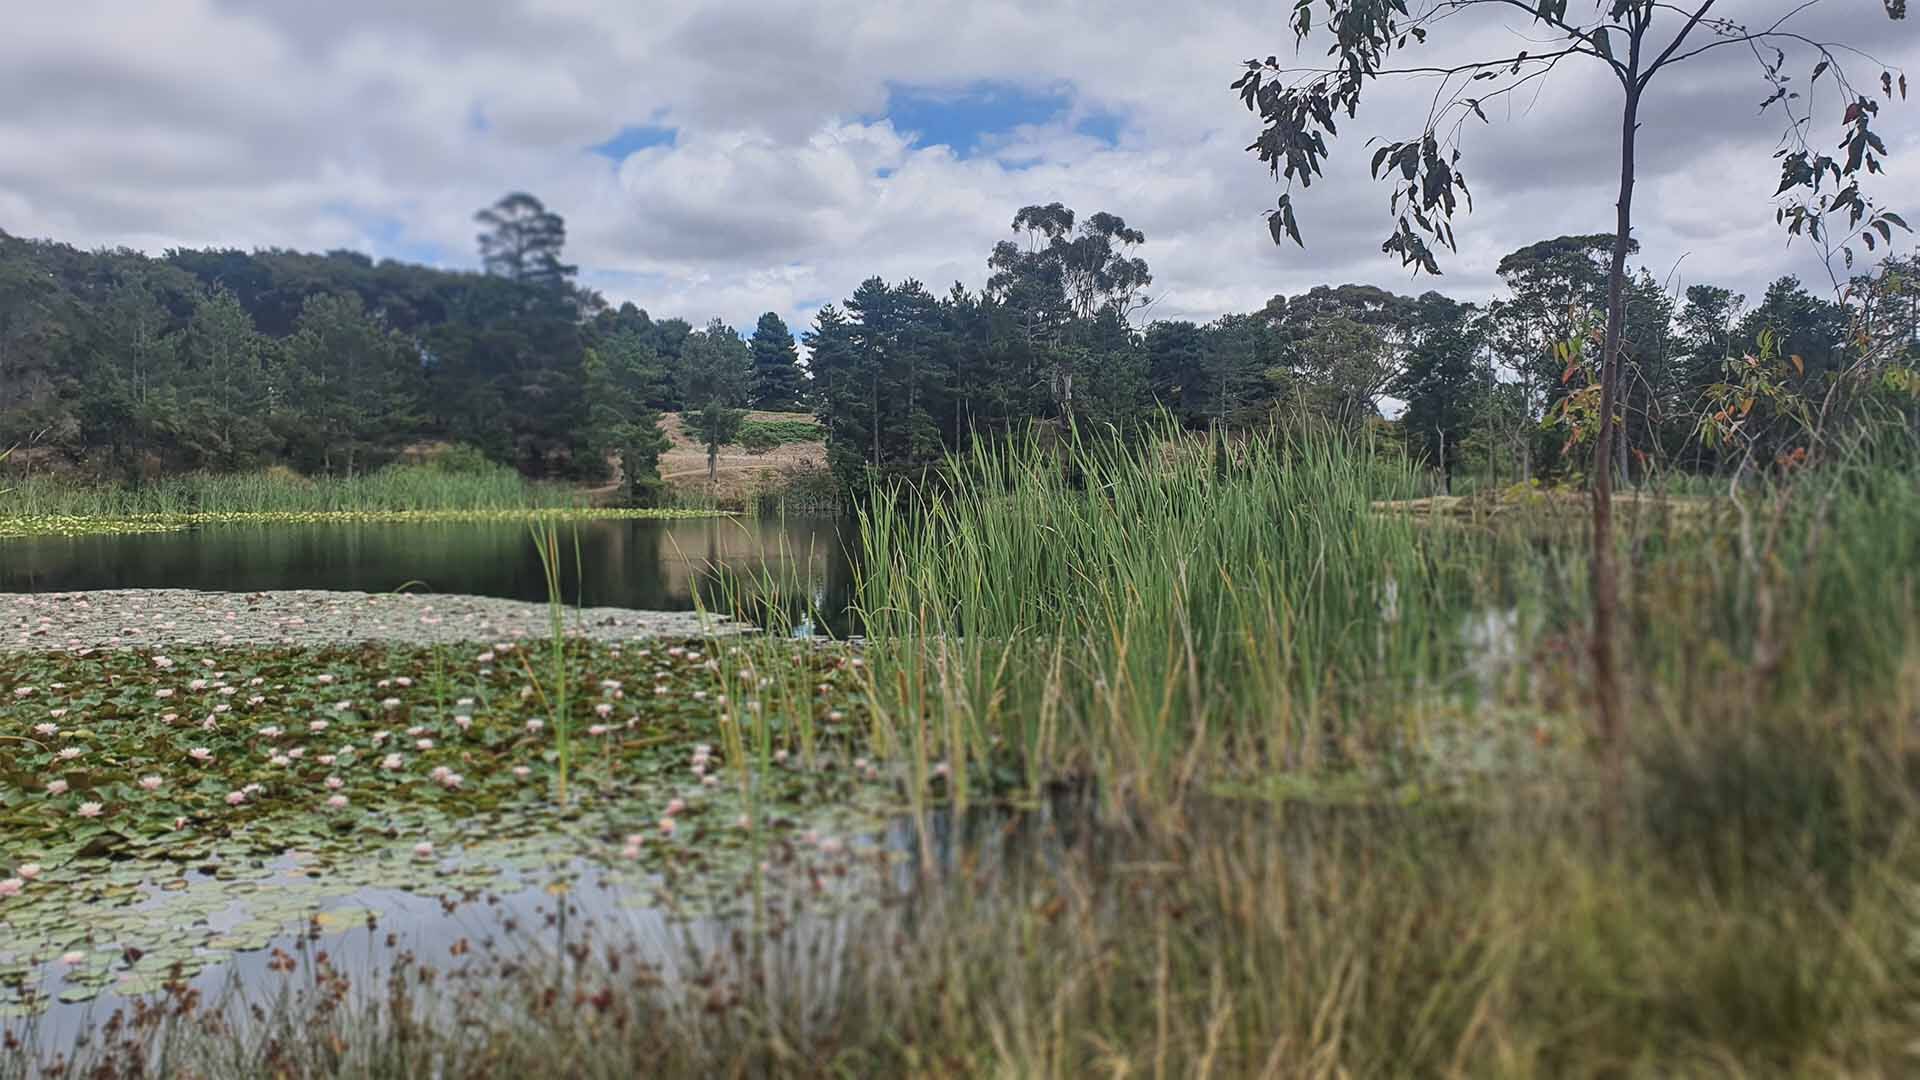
point(520, 919)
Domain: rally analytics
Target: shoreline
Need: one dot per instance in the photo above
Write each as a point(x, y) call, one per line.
point(21, 527)
point(309, 618)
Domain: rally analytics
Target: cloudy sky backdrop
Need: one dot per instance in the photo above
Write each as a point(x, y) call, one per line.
point(722, 158)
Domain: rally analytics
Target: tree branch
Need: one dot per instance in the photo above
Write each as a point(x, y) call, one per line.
point(1692, 22)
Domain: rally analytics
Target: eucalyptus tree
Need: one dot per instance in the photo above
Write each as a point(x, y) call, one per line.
point(1067, 272)
point(1633, 41)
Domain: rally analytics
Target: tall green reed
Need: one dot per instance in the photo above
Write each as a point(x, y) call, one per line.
point(1141, 609)
point(400, 487)
point(546, 542)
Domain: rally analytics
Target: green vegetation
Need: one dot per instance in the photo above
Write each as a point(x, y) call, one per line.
point(452, 491)
point(1337, 809)
point(760, 436)
point(454, 486)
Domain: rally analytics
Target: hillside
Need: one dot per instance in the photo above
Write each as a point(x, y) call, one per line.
point(740, 473)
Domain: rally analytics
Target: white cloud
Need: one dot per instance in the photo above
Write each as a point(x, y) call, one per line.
point(189, 122)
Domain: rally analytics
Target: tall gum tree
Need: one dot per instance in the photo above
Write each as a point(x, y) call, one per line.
point(1820, 194)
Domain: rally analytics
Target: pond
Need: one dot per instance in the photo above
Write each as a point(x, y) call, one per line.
point(624, 562)
point(627, 563)
point(170, 816)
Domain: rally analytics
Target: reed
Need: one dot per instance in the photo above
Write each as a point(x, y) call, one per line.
point(1138, 613)
point(395, 488)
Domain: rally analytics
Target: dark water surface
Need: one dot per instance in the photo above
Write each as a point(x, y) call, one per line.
point(657, 565)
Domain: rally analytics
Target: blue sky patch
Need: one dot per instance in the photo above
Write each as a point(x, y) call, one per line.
point(1104, 126)
point(389, 239)
point(632, 139)
point(960, 117)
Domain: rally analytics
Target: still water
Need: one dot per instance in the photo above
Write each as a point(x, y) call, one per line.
point(656, 565)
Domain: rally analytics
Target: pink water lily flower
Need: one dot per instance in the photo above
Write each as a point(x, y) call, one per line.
point(11, 886)
point(200, 754)
point(150, 783)
point(56, 787)
point(90, 809)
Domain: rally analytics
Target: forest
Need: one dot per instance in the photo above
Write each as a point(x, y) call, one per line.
point(124, 366)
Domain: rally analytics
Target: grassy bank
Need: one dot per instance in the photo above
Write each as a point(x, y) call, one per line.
point(400, 487)
point(43, 506)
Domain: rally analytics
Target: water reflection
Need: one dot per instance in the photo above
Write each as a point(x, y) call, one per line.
point(799, 563)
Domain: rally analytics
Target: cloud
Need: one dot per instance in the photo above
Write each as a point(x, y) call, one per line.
point(724, 158)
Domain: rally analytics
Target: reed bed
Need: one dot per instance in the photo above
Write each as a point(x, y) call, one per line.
point(395, 488)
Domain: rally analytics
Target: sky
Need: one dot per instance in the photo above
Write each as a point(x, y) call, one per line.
point(722, 158)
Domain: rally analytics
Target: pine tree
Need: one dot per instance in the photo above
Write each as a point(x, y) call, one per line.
point(621, 375)
point(778, 384)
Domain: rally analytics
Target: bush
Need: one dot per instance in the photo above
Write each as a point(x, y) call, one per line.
point(760, 436)
point(462, 459)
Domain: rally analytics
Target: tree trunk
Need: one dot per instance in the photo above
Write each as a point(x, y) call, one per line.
point(713, 464)
point(1605, 584)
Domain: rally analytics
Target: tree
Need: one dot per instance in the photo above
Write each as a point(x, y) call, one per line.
point(622, 374)
point(231, 393)
point(716, 369)
point(778, 383)
point(715, 425)
point(1444, 380)
point(523, 240)
point(1298, 110)
point(1063, 277)
point(352, 385)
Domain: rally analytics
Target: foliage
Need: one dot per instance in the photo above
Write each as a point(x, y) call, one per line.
point(621, 376)
point(778, 384)
point(760, 436)
point(523, 242)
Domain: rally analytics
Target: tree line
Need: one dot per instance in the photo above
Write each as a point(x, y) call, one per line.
point(220, 359)
point(335, 363)
point(1494, 388)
